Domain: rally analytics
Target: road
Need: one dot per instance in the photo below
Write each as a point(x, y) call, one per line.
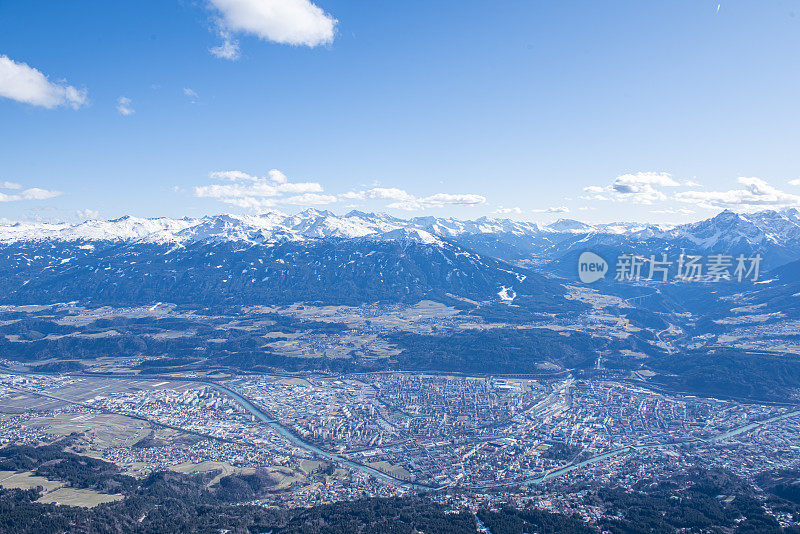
point(265, 418)
point(288, 434)
point(634, 448)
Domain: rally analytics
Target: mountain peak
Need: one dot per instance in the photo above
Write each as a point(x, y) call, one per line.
point(314, 212)
point(569, 225)
point(312, 224)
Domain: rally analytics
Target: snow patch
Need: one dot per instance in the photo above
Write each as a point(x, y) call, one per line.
point(507, 294)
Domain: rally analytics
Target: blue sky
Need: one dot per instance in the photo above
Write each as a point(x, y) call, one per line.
point(600, 111)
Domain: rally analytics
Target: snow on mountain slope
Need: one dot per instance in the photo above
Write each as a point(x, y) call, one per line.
point(726, 229)
point(122, 229)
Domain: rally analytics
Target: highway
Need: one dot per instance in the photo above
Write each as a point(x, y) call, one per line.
point(267, 419)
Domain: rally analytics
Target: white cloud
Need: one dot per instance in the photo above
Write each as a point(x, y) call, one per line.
point(310, 199)
point(218, 191)
point(299, 187)
point(651, 187)
point(229, 49)
point(673, 211)
point(642, 187)
point(555, 209)
point(23, 83)
point(274, 175)
point(449, 198)
point(277, 176)
point(255, 192)
point(193, 96)
point(404, 200)
point(380, 193)
point(124, 106)
point(633, 182)
point(249, 203)
point(438, 200)
point(293, 22)
point(755, 194)
point(504, 211)
point(232, 176)
point(639, 188)
point(34, 193)
point(87, 214)
point(595, 197)
point(10, 185)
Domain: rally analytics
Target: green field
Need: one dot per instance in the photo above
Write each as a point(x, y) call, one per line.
point(393, 470)
point(78, 497)
point(27, 480)
point(205, 467)
point(102, 430)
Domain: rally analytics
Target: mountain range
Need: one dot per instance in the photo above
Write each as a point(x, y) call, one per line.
point(764, 231)
point(514, 282)
point(354, 258)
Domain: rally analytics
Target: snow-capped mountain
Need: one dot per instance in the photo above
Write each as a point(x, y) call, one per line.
point(775, 226)
point(405, 265)
point(527, 243)
point(729, 228)
point(318, 256)
point(270, 227)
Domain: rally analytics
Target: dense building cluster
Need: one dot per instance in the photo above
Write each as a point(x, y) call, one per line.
point(329, 438)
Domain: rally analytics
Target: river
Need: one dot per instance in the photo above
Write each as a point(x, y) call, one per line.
point(298, 441)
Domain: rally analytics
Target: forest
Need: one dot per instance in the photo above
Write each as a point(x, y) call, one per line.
point(697, 501)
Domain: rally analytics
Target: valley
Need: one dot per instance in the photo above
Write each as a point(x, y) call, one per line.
point(321, 360)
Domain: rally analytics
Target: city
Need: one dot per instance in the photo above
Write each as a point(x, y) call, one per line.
point(455, 435)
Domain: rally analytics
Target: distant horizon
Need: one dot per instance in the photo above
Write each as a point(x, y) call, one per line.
point(353, 212)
